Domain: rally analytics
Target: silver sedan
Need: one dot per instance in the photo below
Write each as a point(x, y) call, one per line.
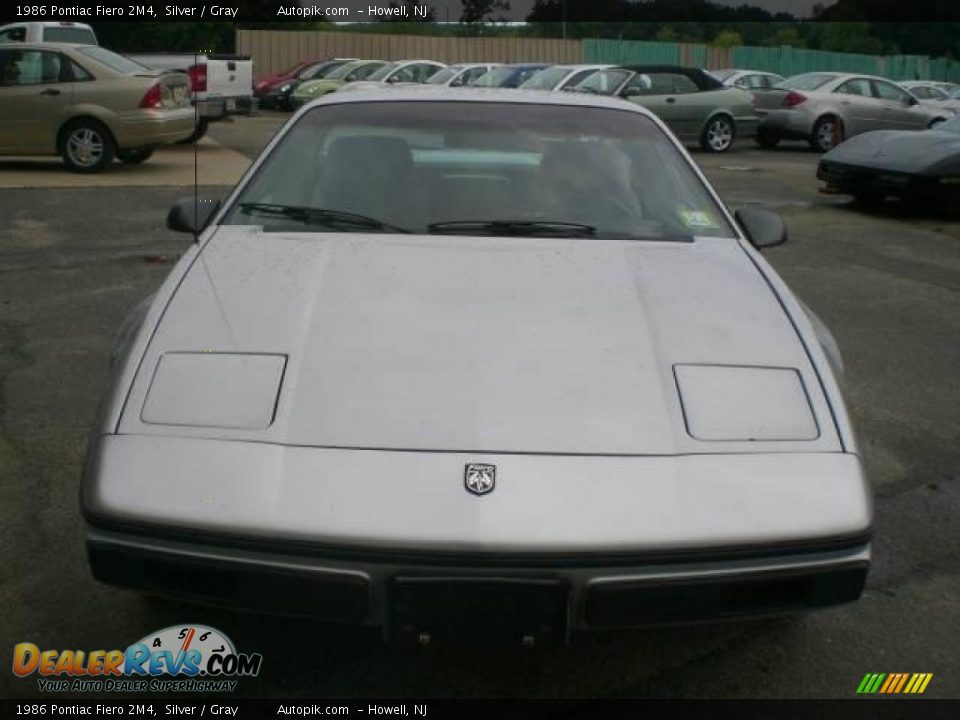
point(825, 108)
point(478, 360)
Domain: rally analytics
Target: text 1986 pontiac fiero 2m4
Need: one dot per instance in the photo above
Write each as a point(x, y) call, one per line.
point(478, 360)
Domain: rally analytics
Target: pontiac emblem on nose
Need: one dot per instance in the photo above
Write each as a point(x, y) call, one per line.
point(479, 479)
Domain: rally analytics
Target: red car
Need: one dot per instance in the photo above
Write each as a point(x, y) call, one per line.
point(262, 85)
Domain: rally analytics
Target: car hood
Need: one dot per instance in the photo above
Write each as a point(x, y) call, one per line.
point(898, 150)
point(317, 87)
point(470, 344)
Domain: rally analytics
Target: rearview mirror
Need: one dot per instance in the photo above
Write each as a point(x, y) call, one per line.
point(191, 215)
point(762, 227)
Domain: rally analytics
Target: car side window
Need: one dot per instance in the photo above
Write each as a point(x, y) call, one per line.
point(889, 91)
point(935, 94)
point(425, 70)
point(856, 86)
point(577, 78)
point(31, 67)
point(752, 82)
point(17, 34)
point(74, 72)
point(472, 74)
point(664, 84)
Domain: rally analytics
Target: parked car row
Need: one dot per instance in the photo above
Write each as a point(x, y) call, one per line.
point(711, 108)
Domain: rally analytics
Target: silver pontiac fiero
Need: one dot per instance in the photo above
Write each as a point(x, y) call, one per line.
point(487, 361)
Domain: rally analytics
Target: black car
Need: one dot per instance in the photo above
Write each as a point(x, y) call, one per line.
point(279, 96)
point(905, 164)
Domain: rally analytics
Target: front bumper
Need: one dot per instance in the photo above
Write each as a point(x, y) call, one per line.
point(333, 533)
point(595, 592)
point(855, 179)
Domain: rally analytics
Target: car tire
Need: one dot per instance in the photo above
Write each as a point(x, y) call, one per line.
point(134, 156)
point(203, 124)
point(767, 140)
point(827, 134)
point(86, 145)
point(935, 122)
point(718, 134)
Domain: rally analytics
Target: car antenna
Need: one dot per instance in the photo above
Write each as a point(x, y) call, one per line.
point(196, 173)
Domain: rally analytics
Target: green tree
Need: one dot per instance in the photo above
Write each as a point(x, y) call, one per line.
point(727, 39)
point(785, 36)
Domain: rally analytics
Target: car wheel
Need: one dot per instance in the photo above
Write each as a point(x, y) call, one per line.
point(198, 132)
point(86, 146)
point(719, 134)
point(935, 122)
point(767, 140)
point(827, 134)
point(134, 156)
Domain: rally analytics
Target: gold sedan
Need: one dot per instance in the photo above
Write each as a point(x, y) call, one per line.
point(88, 105)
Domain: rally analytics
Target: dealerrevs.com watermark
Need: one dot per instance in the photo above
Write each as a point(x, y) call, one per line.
point(180, 658)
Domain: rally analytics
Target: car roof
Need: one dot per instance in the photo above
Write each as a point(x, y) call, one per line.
point(35, 45)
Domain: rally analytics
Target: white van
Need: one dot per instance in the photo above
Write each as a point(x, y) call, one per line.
point(56, 32)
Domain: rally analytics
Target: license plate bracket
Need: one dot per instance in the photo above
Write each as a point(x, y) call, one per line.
point(431, 610)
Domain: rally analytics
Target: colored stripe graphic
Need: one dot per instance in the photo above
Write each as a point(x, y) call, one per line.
point(894, 683)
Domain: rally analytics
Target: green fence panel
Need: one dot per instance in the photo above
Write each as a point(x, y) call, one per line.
point(630, 52)
point(783, 60)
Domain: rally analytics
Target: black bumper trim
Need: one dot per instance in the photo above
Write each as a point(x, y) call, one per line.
point(643, 602)
point(249, 586)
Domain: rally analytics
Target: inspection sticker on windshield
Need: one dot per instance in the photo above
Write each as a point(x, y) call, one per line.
point(697, 219)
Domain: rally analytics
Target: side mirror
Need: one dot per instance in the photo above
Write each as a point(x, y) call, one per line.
point(631, 92)
point(913, 101)
point(191, 215)
point(762, 227)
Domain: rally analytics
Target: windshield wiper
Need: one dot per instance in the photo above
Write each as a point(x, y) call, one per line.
point(513, 227)
point(319, 216)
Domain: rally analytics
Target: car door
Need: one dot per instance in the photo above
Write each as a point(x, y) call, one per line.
point(901, 110)
point(672, 97)
point(858, 108)
point(35, 90)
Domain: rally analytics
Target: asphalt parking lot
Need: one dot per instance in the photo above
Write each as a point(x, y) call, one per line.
point(77, 253)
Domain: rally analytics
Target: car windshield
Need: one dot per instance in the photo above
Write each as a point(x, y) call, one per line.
point(113, 61)
point(383, 72)
point(495, 77)
point(722, 74)
point(545, 79)
point(954, 94)
point(479, 168)
point(318, 70)
point(807, 81)
point(603, 82)
point(442, 77)
point(341, 72)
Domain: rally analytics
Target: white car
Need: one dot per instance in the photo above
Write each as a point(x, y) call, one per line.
point(931, 93)
point(449, 361)
point(559, 77)
point(751, 80)
point(406, 71)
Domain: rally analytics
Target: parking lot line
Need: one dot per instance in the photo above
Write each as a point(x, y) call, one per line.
point(170, 166)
